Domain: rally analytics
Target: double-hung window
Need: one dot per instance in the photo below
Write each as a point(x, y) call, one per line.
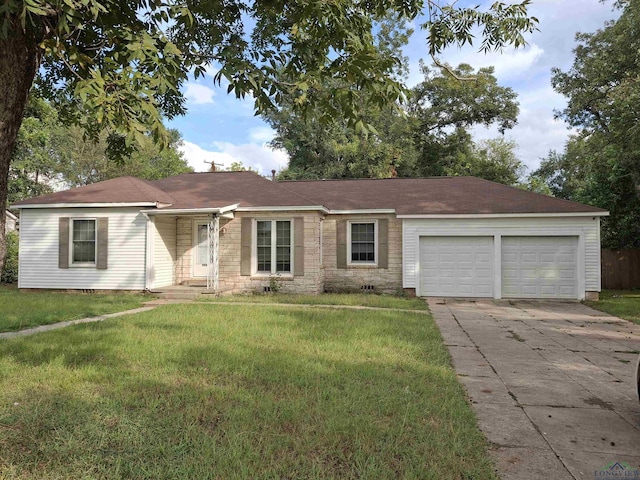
point(362, 243)
point(83, 244)
point(273, 246)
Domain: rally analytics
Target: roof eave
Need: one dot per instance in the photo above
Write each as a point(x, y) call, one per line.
point(505, 215)
point(184, 211)
point(86, 205)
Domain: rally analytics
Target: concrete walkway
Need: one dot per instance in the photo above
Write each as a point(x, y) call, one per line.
point(55, 326)
point(552, 384)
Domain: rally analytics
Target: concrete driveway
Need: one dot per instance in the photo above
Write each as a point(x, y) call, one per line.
point(552, 384)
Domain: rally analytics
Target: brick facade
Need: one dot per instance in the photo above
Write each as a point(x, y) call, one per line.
point(351, 279)
point(319, 275)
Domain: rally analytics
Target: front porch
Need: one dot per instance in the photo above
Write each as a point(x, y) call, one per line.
point(184, 251)
point(182, 292)
point(216, 252)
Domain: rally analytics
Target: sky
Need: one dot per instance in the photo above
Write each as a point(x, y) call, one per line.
point(222, 129)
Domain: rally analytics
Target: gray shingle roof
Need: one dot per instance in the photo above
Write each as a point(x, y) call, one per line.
point(407, 196)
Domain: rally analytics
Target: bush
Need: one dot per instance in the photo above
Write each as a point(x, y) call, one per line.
point(10, 269)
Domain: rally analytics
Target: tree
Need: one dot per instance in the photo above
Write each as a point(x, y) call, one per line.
point(589, 171)
point(82, 162)
point(321, 147)
point(35, 159)
point(238, 166)
point(118, 66)
point(445, 107)
point(493, 160)
point(601, 165)
point(415, 142)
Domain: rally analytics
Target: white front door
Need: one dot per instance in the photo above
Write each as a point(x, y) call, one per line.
point(200, 249)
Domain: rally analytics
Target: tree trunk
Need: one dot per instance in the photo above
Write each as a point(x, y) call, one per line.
point(20, 56)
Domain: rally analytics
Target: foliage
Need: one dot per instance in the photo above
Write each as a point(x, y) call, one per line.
point(84, 162)
point(145, 50)
point(320, 146)
point(204, 391)
point(117, 67)
point(275, 283)
point(590, 171)
point(9, 272)
point(238, 166)
point(20, 310)
point(493, 160)
point(36, 157)
point(49, 154)
point(415, 142)
point(601, 164)
point(441, 101)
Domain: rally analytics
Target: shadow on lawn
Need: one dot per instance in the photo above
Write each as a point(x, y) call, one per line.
point(75, 347)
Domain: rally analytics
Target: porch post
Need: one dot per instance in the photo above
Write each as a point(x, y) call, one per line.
point(213, 233)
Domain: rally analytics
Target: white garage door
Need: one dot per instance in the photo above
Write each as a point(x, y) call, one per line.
point(456, 266)
point(540, 267)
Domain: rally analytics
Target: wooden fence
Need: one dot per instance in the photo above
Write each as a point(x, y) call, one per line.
point(620, 269)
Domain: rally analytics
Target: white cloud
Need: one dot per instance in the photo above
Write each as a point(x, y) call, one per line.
point(261, 134)
point(197, 94)
point(537, 132)
point(257, 156)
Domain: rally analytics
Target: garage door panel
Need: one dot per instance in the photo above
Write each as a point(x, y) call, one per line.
point(539, 267)
point(456, 266)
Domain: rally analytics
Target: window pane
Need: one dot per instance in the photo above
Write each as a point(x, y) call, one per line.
point(283, 233)
point(283, 246)
point(264, 234)
point(283, 259)
point(264, 246)
point(203, 251)
point(363, 242)
point(264, 259)
point(84, 230)
point(84, 241)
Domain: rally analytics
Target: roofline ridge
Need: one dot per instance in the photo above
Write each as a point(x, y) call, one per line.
point(148, 183)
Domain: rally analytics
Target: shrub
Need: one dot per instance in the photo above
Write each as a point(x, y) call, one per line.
point(10, 269)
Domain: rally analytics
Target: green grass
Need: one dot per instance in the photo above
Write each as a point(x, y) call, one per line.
point(229, 391)
point(620, 303)
point(20, 310)
point(363, 299)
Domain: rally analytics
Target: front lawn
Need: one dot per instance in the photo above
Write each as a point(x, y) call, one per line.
point(20, 310)
point(363, 299)
point(199, 391)
point(620, 303)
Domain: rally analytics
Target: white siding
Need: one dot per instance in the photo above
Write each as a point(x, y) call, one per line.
point(164, 252)
point(39, 250)
point(586, 228)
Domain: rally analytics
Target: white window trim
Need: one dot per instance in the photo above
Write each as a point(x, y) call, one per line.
point(254, 248)
point(73, 264)
point(375, 242)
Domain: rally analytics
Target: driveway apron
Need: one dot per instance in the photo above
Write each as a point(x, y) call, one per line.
point(552, 384)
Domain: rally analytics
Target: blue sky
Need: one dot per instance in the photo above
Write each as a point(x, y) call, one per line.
point(220, 128)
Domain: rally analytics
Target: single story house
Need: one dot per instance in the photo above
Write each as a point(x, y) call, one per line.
point(237, 232)
point(11, 223)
